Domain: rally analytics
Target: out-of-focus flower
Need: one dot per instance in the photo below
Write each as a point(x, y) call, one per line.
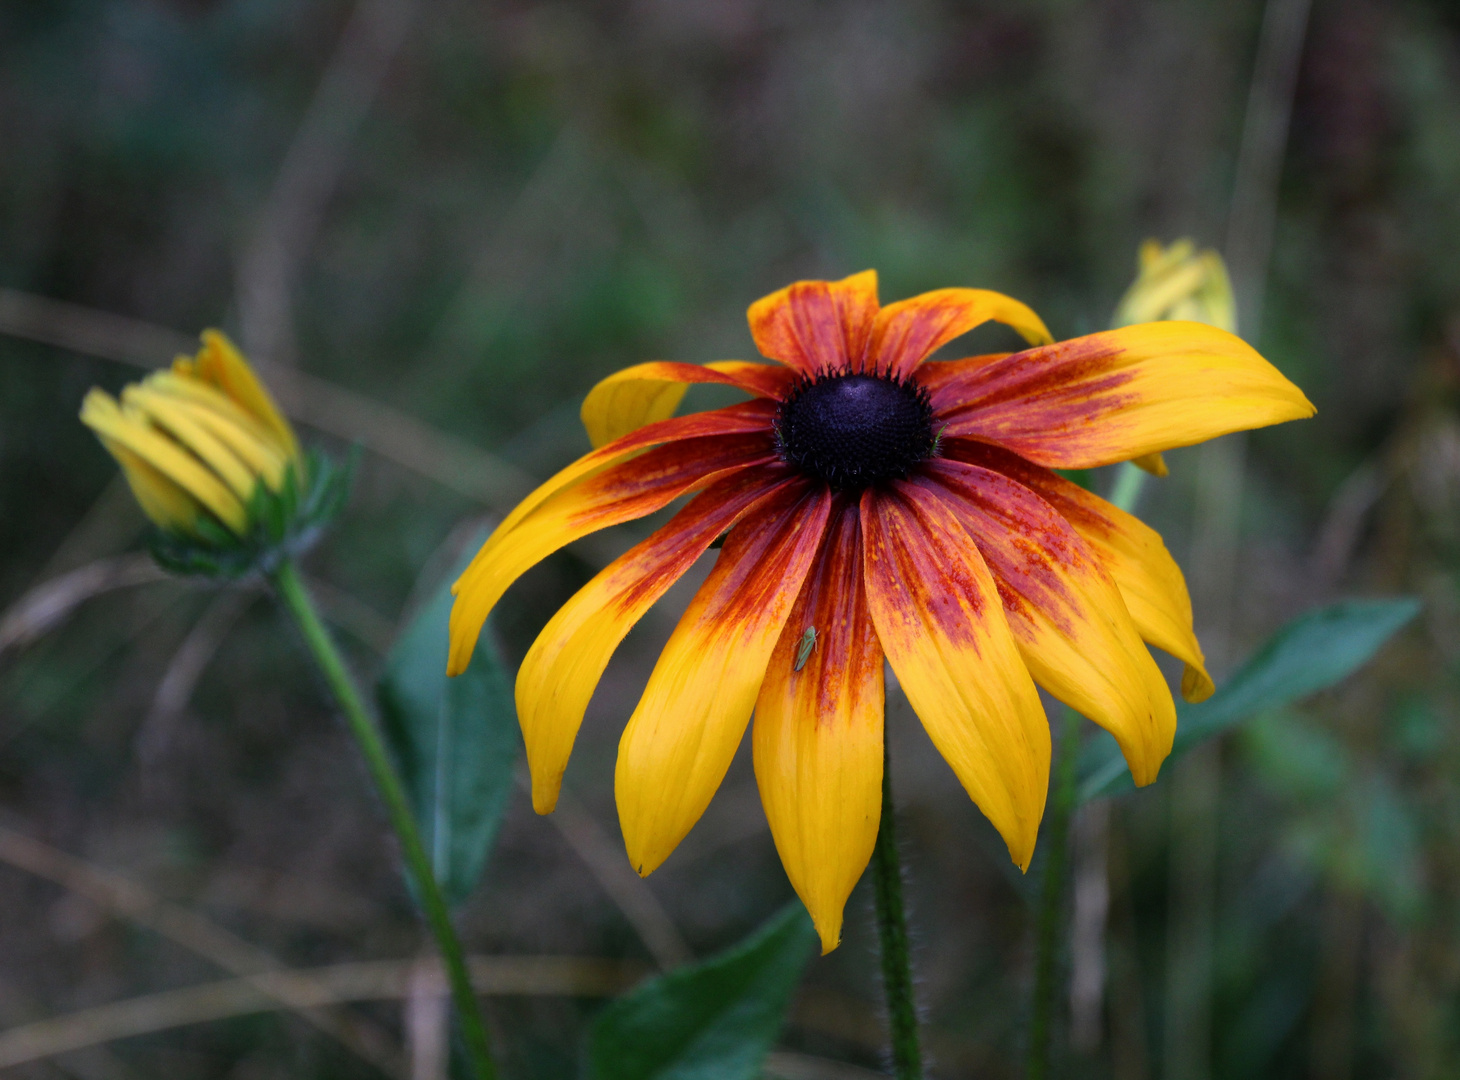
point(872, 503)
point(1177, 282)
point(211, 460)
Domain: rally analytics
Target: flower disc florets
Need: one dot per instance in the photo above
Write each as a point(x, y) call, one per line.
point(852, 431)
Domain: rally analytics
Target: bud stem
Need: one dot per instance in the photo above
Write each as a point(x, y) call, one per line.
point(295, 597)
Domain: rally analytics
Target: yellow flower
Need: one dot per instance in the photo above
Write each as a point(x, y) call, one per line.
point(1177, 283)
point(197, 440)
point(873, 504)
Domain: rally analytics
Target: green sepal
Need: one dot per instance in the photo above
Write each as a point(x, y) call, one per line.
point(281, 524)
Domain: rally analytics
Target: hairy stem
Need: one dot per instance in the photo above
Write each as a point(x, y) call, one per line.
point(387, 782)
point(902, 1012)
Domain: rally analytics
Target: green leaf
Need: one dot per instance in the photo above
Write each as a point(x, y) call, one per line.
point(1311, 653)
point(455, 741)
point(715, 1020)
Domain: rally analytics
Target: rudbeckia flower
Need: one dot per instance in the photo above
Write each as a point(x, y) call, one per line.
point(873, 505)
point(198, 440)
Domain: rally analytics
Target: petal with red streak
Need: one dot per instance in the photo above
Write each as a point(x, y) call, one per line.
point(939, 618)
point(685, 730)
point(619, 493)
point(1066, 612)
point(908, 332)
point(644, 393)
point(561, 670)
point(1133, 553)
point(818, 731)
point(1119, 395)
point(817, 326)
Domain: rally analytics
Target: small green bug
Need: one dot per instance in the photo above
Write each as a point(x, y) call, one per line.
point(803, 651)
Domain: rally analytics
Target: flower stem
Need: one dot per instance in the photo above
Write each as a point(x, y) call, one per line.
point(902, 1012)
point(387, 782)
point(1051, 900)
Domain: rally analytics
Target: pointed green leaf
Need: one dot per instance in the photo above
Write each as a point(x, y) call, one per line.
point(715, 1020)
point(1311, 653)
point(455, 741)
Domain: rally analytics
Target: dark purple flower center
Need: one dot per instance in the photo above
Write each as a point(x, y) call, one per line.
point(852, 431)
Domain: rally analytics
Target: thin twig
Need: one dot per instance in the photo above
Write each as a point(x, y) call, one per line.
point(47, 605)
point(193, 932)
point(188, 663)
point(312, 989)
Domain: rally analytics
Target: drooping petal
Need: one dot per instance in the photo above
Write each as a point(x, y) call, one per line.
point(1119, 394)
point(817, 326)
point(644, 393)
point(938, 615)
point(684, 732)
point(1134, 555)
point(621, 492)
point(119, 428)
point(749, 416)
point(1066, 612)
point(561, 670)
point(818, 731)
point(908, 332)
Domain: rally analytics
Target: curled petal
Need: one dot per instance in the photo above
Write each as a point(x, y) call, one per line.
point(619, 493)
point(1066, 612)
point(908, 332)
point(939, 618)
point(818, 730)
point(561, 670)
point(684, 732)
point(1132, 552)
point(644, 393)
point(1118, 395)
point(817, 326)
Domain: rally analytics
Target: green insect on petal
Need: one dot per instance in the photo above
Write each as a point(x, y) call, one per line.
point(803, 651)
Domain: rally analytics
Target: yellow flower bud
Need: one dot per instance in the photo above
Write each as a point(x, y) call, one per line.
point(196, 441)
point(1177, 282)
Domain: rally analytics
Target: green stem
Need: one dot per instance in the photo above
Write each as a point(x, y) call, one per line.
point(1051, 901)
point(902, 1012)
point(397, 807)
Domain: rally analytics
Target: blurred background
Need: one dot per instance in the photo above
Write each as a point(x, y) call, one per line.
point(436, 224)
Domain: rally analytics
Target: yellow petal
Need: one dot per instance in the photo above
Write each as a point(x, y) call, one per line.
point(561, 670)
point(100, 412)
point(1150, 582)
point(182, 423)
point(644, 393)
point(1154, 464)
point(224, 417)
point(1118, 395)
point(818, 731)
point(623, 492)
point(1066, 613)
point(685, 730)
point(165, 504)
point(940, 620)
point(220, 363)
point(908, 332)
